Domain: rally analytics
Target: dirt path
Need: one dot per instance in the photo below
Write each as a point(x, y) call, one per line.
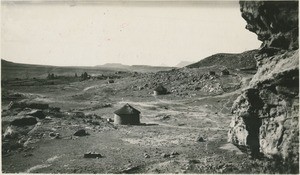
point(147, 120)
point(182, 109)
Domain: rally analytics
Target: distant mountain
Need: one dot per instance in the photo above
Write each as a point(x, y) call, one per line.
point(137, 68)
point(243, 60)
point(184, 63)
point(11, 70)
point(114, 65)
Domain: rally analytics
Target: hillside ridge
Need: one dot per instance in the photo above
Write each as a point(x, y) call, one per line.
point(244, 60)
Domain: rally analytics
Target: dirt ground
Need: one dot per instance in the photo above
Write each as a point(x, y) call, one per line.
point(165, 142)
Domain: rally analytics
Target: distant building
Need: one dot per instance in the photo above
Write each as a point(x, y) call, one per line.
point(212, 73)
point(225, 72)
point(110, 81)
point(127, 115)
point(160, 90)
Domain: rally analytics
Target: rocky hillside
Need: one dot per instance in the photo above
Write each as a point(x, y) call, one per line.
point(266, 114)
point(243, 60)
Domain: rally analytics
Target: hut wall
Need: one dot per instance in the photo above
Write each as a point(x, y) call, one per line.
point(127, 119)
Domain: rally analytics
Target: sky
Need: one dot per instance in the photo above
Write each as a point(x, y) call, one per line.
point(89, 34)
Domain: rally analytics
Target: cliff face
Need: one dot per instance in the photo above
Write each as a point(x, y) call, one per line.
point(275, 23)
point(265, 115)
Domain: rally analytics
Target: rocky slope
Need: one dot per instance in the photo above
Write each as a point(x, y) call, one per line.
point(266, 114)
point(183, 63)
point(243, 60)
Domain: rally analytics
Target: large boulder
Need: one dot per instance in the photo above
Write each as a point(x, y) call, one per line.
point(265, 115)
point(23, 105)
point(81, 132)
point(10, 132)
point(160, 90)
point(37, 113)
point(24, 121)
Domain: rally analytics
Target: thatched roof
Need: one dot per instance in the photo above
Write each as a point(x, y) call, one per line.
point(127, 109)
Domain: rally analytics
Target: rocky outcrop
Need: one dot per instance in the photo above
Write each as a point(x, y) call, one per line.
point(243, 60)
point(275, 23)
point(266, 114)
point(24, 121)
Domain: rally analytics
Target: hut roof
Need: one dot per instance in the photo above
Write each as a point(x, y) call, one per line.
point(127, 109)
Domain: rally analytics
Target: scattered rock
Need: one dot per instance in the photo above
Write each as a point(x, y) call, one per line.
point(146, 155)
point(197, 88)
point(54, 135)
point(24, 105)
point(95, 122)
point(163, 116)
point(9, 146)
point(10, 132)
point(27, 155)
point(109, 120)
point(200, 139)
point(225, 72)
point(26, 149)
point(81, 132)
point(55, 109)
point(92, 155)
point(174, 153)
point(57, 136)
point(37, 113)
point(194, 161)
point(130, 169)
point(78, 115)
point(110, 81)
point(164, 155)
point(212, 73)
point(213, 88)
point(160, 90)
point(107, 105)
point(48, 118)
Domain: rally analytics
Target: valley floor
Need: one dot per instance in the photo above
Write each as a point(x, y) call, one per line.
point(167, 141)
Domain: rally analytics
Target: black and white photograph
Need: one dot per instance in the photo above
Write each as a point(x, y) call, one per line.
point(149, 87)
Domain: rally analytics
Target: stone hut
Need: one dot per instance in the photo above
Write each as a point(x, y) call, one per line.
point(212, 73)
point(160, 90)
point(225, 72)
point(127, 115)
